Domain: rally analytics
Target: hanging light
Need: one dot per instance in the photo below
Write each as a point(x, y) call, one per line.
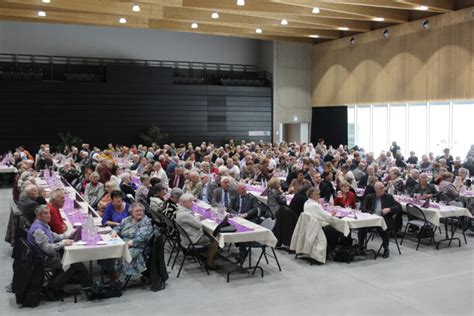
point(316, 10)
point(259, 31)
point(284, 22)
point(46, 1)
point(122, 20)
point(136, 8)
point(241, 2)
point(194, 25)
point(215, 15)
point(41, 13)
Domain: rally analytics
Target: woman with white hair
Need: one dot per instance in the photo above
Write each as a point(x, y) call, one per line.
point(395, 184)
point(193, 228)
point(94, 189)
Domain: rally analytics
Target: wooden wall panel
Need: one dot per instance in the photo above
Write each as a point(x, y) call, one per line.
point(412, 64)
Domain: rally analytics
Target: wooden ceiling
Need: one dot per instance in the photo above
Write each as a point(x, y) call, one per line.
point(336, 18)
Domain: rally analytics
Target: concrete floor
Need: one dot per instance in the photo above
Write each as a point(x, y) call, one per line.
point(418, 282)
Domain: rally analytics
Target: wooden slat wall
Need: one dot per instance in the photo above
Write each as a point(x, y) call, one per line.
point(33, 113)
point(412, 64)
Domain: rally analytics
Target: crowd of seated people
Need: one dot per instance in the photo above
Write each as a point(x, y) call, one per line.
point(166, 178)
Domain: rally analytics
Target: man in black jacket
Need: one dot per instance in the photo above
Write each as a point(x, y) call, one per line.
point(246, 204)
point(298, 201)
point(382, 204)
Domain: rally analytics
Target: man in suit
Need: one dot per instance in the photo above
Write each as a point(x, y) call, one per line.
point(225, 195)
point(298, 201)
point(177, 179)
point(245, 205)
point(27, 203)
point(382, 204)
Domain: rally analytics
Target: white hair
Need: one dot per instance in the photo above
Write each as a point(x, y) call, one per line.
point(186, 198)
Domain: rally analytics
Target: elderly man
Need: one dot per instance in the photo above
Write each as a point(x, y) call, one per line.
point(177, 179)
point(359, 172)
point(159, 173)
point(234, 169)
point(56, 202)
point(47, 246)
point(44, 162)
point(205, 188)
point(382, 204)
point(27, 202)
point(171, 205)
point(245, 205)
point(224, 195)
point(193, 185)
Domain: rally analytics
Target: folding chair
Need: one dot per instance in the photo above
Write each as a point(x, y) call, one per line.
point(189, 249)
point(146, 253)
point(417, 220)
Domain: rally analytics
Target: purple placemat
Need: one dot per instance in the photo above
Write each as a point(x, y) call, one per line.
point(240, 228)
point(255, 188)
point(201, 211)
point(93, 241)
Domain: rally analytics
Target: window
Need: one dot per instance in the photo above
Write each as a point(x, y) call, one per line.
point(379, 128)
point(421, 127)
point(398, 126)
point(463, 138)
point(439, 128)
point(363, 125)
point(351, 127)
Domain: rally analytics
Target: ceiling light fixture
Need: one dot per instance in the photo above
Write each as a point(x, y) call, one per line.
point(314, 36)
point(316, 10)
point(343, 28)
point(215, 15)
point(422, 8)
point(386, 33)
point(46, 1)
point(258, 31)
point(194, 25)
point(41, 13)
point(284, 22)
point(241, 2)
point(379, 19)
point(136, 8)
point(122, 20)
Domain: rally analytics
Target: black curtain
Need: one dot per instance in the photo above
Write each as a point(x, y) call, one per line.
point(329, 123)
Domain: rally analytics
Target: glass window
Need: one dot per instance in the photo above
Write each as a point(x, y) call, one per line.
point(398, 127)
point(351, 126)
point(463, 113)
point(439, 128)
point(363, 127)
point(417, 128)
point(380, 128)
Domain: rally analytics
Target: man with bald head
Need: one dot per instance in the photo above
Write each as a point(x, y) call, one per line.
point(246, 204)
point(382, 204)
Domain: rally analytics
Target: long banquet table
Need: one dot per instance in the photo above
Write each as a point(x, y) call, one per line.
point(97, 247)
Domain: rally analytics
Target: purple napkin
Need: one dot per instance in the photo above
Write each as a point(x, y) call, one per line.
point(201, 211)
point(240, 228)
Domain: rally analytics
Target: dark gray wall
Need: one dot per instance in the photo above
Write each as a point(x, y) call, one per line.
point(115, 111)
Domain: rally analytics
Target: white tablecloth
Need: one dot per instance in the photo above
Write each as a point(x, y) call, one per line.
point(364, 220)
point(259, 234)
point(5, 169)
point(264, 199)
point(434, 215)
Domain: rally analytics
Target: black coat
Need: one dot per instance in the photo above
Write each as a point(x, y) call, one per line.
point(297, 203)
point(387, 201)
point(326, 190)
point(249, 207)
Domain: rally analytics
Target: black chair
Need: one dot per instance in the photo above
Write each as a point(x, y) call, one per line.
point(392, 233)
point(264, 211)
point(167, 228)
point(417, 221)
point(189, 249)
point(146, 253)
point(268, 224)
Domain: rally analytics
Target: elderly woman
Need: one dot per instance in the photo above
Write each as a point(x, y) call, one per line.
point(395, 184)
point(275, 195)
point(344, 197)
point(298, 183)
point(142, 190)
point(426, 189)
point(127, 186)
point(116, 210)
point(94, 189)
point(447, 187)
point(107, 198)
point(135, 230)
point(193, 228)
point(157, 199)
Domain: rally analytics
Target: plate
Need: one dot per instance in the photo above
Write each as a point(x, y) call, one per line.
point(101, 242)
point(80, 243)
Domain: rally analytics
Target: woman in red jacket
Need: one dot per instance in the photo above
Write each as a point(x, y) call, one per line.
point(344, 197)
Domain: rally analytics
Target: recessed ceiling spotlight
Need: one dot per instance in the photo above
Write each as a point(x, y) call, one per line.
point(343, 28)
point(386, 33)
point(314, 36)
point(215, 15)
point(46, 1)
point(241, 2)
point(194, 25)
point(41, 13)
point(352, 41)
point(136, 8)
point(258, 31)
point(284, 22)
point(316, 10)
point(122, 20)
point(426, 24)
point(422, 8)
point(379, 19)
point(295, 118)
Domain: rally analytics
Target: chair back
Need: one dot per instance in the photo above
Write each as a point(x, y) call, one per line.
point(183, 237)
point(414, 211)
point(268, 223)
point(264, 211)
point(131, 197)
point(148, 246)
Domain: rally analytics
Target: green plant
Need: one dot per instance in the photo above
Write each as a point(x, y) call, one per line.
point(153, 135)
point(67, 139)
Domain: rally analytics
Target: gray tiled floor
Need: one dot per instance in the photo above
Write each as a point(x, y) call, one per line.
point(418, 282)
